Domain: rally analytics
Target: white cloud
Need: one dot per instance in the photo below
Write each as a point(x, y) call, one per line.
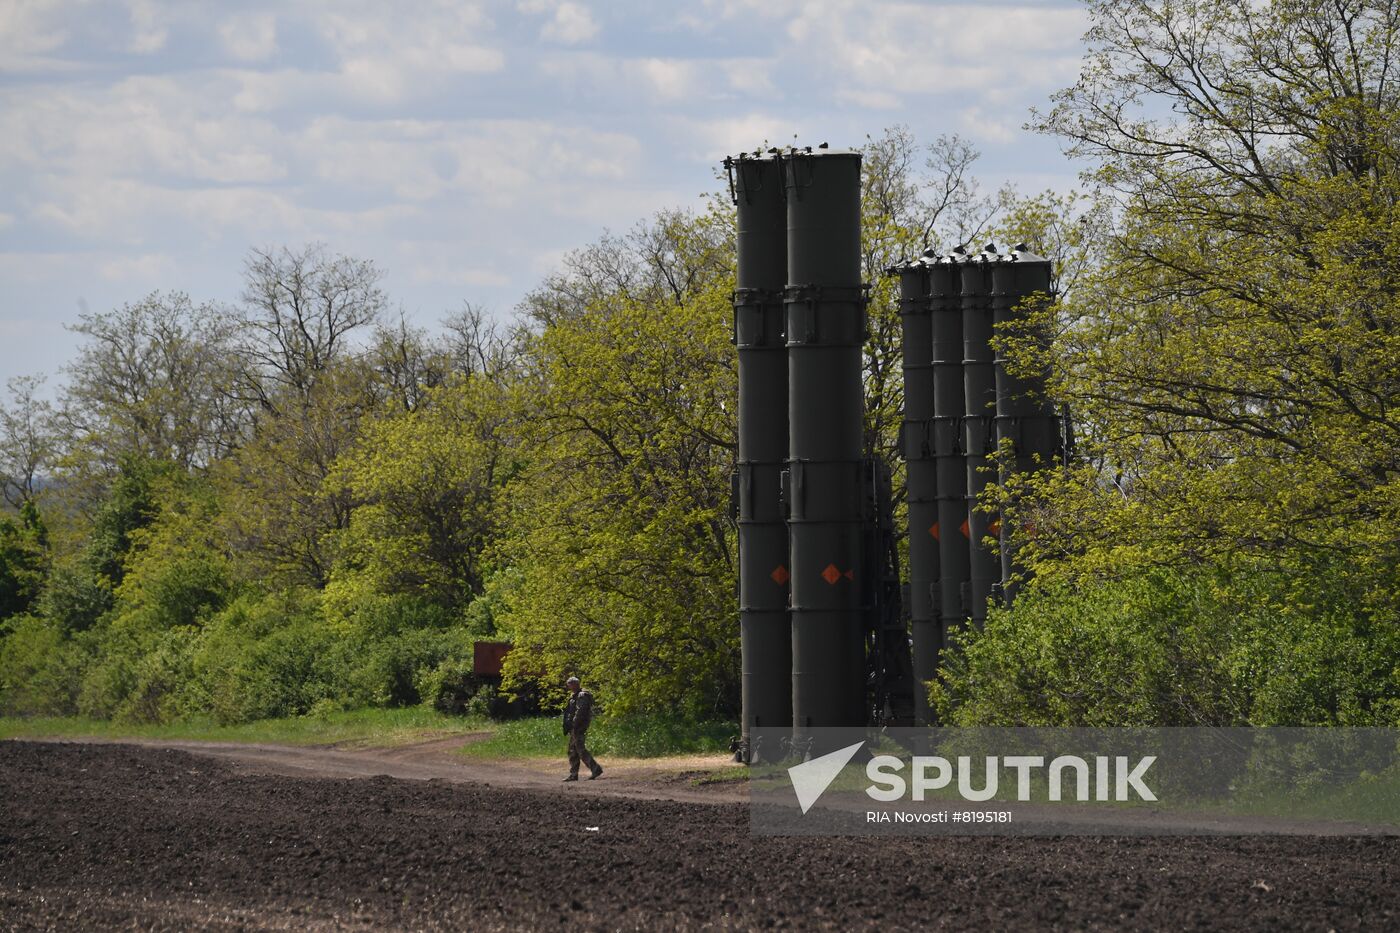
point(29, 30)
point(913, 47)
point(979, 124)
point(712, 139)
point(149, 31)
point(249, 37)
point(668, 78)
point(500, 162)
point(446, 262)
point(149, 125)
point(466, 146)
point(390, 55)
point(872, 99)
point(570, 25)
point(142, 267)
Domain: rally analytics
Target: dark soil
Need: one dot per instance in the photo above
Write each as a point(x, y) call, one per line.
point(112, 836)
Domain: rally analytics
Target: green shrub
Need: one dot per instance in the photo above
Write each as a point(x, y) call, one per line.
point(451, 687)
point(75, 598)
point(160, 677)
point(486, 703)
point(39, 669)
point(393, 667)
point(1202, 646)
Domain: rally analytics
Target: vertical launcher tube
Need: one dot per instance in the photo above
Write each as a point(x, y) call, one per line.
point(825, 308)
point(1028, 430)
point(978, 434)
point(765, 634)
point(922, 482)
point(950, 468)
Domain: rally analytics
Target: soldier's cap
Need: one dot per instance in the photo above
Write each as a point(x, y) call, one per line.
point(571, 680)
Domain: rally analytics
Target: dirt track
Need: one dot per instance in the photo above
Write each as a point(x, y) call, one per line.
point(106, 836)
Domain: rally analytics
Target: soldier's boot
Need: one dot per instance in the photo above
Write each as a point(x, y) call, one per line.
point(571, 777)
point(596, 770)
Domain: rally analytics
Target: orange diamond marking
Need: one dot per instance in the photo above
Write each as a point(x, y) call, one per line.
point(994, 528)
point(967, 532)
point(933, 530)
point(781, 575)
point(831, 574)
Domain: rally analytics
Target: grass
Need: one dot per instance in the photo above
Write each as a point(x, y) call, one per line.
point(730, 774)
point(621, 737)
point(362, 727)
point(1370, 798)
point(541, 737)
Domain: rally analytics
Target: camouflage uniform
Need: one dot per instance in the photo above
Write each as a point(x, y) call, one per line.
point(577, 717)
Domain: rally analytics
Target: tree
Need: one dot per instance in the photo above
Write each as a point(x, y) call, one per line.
point(425, 482)
point(1231, 354)
point(29, 441)
point(287, 517)
point(1235, 361)
point(300, 309)
point(24, 560)
point(617, 534)
point(153, 381)
point(310, 385)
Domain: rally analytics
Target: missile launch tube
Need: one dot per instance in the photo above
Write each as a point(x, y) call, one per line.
point(765, 633)
point(945, 316)
point(1027, 427)
point(978, 434)
point(922, 480)
point(825, 305)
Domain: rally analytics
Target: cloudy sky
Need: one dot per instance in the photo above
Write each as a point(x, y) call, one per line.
point(464, 147)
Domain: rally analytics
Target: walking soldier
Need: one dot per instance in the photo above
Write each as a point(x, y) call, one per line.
point(577, 717)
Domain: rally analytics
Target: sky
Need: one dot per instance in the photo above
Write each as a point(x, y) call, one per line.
point(463, 147)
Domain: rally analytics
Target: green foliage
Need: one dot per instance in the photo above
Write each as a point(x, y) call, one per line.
point(1224, 550)
point(426, 482)
point(131, 504)
point(1218, 646)
point(365, 727)
point(1232, 360)
point(288, 516)
point(24, 561)
point(39, 668)
point(617, 524)
point(81, 588)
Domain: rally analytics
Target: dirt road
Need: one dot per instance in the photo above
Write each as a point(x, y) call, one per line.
point(118, 836)
point(673, 778)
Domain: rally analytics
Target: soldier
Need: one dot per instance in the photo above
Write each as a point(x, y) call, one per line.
point(577, 717)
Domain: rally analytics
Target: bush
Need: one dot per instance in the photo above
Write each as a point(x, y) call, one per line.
point(450, 687)
point(39, 669)
point(159, 680)
point(74, 599)
point(1203, 646)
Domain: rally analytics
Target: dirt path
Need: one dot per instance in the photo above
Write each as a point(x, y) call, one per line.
point(438, 759)
point(108, 836)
